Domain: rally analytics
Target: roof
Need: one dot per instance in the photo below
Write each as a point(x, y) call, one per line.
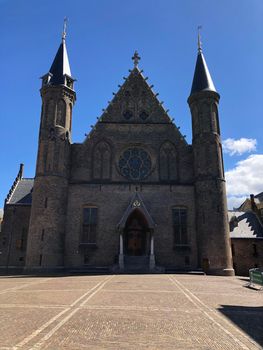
point(135, 102)
point(244, 225)
point(22, 194)
point(202, 79)
point(60, 65)
point(259, 197)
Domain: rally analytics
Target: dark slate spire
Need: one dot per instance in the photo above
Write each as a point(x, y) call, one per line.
point(60, 65)
point(60, 69)
point(202, 79)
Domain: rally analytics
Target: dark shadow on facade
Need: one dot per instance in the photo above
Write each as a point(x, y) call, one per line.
point(247, 318)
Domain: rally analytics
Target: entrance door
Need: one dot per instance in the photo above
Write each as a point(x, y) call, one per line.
point(135, 234)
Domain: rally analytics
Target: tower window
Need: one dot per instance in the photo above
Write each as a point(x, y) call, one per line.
point(89, 225)
point(46, 199)
point(42, 235)
point(180, 226)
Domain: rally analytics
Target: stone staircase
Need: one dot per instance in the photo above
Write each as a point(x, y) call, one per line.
point(136, 264)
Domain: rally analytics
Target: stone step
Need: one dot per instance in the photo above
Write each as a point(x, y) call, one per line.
point(136, 260)
point(91, 270)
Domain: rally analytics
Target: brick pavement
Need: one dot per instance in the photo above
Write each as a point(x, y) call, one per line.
point(129, 312)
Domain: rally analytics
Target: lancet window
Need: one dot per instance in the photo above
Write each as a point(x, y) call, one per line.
point(102, 161)
point(168, 166)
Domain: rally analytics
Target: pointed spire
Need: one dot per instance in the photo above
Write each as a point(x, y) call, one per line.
point(202, 79)
point(60, 66)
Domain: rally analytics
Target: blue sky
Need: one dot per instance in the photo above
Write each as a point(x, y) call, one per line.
point(102, 36)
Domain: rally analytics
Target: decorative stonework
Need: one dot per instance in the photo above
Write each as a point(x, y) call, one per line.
point(135, 164)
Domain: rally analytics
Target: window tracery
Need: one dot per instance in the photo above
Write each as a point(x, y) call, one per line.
point(168, 166)
point(102, 161)
point(61, 113)
point(135, 164)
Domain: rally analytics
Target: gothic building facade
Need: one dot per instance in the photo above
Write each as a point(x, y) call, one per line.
point(133, 195)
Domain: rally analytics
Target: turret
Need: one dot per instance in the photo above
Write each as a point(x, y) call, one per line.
point(49, 203)
point(211, 206)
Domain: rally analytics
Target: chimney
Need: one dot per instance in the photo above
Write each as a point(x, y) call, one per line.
point(252, 202)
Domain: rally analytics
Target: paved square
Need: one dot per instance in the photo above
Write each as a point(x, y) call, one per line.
point(129, 312)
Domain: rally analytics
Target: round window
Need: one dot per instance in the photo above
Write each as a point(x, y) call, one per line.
point(135, 164)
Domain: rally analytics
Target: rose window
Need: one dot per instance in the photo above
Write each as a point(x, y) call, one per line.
point(135, 164)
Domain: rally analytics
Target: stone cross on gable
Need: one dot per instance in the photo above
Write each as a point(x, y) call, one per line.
point(136, 58)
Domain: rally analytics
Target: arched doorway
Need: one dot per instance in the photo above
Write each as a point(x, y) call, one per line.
point(136, 234)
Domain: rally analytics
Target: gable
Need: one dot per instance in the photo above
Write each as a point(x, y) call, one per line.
point(135, 102)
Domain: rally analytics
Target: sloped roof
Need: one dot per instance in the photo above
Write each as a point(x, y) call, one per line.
point(202, 80)
point(259, 197)
point(60, 65)
point(136, 103)
point(248, 225)
point(22, 193)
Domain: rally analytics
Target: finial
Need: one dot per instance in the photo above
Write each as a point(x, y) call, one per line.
point(64, 33)
point(199, 39)
point(136, 58)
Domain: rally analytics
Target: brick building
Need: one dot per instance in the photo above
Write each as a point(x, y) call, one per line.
point(246, 233)
point(133, 194)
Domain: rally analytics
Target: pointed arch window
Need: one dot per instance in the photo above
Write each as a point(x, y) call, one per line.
point(102, 161)
point(50, 111)
point(61, 113)
point(89, 226)
point(168, 166)
point(180, 226)
point(214, 119)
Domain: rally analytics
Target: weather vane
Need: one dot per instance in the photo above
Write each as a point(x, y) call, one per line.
point(136, 58)
point(64, 33)
point(199, 38)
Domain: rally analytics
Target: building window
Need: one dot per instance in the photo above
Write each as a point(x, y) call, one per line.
point(180, 226)
point(102, 161)
point(168, 168)
point(21, 243)
point(186, 260)
point(61, 113)
point(135, 164)
point(89, 225)
point(255, 250)
point(42, 235)
point(45, 205)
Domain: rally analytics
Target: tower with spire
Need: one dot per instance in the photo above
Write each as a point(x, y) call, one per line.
point(134, 194)
point(48, 213)
point(214, 254)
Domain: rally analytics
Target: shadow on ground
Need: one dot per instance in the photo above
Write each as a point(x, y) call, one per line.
point(247, 318)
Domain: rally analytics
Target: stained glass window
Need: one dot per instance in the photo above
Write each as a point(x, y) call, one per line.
point(135, 164)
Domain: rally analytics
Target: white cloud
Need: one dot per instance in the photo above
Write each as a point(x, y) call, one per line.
point(240, 146)
point(245, 178)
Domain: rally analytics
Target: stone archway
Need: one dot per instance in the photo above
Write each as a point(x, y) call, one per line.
point(136, 235)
